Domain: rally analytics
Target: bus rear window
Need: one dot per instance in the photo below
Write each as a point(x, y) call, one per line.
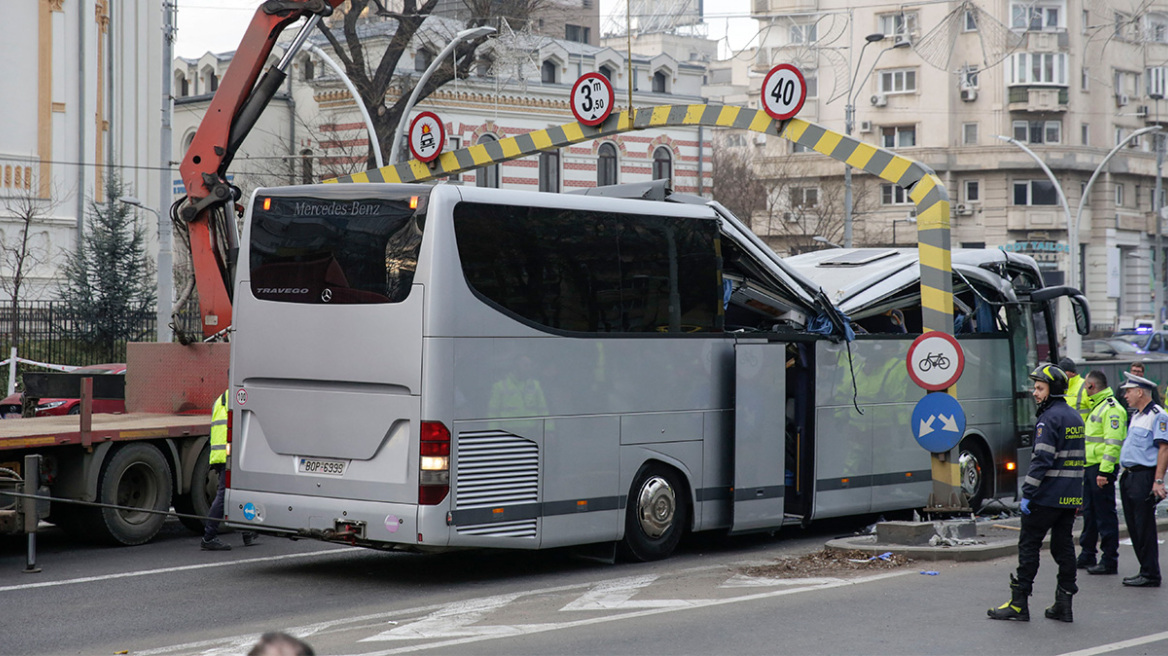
point(325, 250)
point(593, 272)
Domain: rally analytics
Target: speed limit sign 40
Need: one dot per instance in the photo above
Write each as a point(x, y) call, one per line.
point(783, 92)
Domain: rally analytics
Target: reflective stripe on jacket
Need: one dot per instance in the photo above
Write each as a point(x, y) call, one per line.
point(1055, 477)
point(219, 430)
point(1105, 429)
point(1076, 397)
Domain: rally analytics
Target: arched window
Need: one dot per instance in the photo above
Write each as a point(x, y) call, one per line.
point(210, 81)
point(309, 69)
point(180, 84)
point(606, 72)
point(659, 83)
point(186, 142)
point(306, 174)
point(662, 164)
point(547, 72)
point(549, 171)
point(606, 165)
point(422, 60)
point(487, 176)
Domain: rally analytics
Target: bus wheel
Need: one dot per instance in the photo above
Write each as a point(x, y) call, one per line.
point(136, 478)
point(657, 514)
point(976, 472)
point(204, 484)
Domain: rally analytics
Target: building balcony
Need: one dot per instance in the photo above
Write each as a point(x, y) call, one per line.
point(765, 8)
point(1047, 41)
point(1023, 98)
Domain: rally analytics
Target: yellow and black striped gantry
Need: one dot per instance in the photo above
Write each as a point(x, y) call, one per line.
point(925, 188)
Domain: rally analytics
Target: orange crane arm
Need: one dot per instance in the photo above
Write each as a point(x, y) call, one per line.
point(234, 110)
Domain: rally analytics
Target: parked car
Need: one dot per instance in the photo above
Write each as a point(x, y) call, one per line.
point(10, 406)
point(1112, 348)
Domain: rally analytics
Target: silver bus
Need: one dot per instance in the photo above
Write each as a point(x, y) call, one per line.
point(438, 367)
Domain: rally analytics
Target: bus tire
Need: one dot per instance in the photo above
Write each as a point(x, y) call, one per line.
point(656, 514)
point(976, 469)
point(197, 500)
point(138, 478)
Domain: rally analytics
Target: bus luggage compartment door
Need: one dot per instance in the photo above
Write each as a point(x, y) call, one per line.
point(760, 419)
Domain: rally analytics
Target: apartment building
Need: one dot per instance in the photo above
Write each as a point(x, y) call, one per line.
point(941, 82)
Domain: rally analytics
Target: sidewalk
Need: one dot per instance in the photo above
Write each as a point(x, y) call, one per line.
point(996, 538)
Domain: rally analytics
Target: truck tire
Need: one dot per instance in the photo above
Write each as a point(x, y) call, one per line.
point(197, 501)
point(656, 515)
point(136, 477)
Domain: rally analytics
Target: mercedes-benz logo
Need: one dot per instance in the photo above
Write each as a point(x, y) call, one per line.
point(326, 295)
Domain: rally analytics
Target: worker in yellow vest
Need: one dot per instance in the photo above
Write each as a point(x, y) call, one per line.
point(218, 461)
point(1075, 396)
point(1105, 430)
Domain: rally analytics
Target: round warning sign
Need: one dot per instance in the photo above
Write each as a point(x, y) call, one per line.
point(935, 361)
point(592, 99)
point(784, 91)
point(427, 136)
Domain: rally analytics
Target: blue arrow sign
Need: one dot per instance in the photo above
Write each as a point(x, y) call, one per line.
point(938, 422)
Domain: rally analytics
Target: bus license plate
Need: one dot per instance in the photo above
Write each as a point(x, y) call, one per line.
point(322, 466)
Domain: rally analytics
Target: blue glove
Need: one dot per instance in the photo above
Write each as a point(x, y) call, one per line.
point(1025, 506)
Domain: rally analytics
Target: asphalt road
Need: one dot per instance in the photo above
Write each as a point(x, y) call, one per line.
point(170, 598)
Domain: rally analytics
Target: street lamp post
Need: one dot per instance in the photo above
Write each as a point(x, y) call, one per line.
point(850, 121)
point(911, 219)
point(165, 270)
point(403, 123)
point(374, 143)
point(1074, 340)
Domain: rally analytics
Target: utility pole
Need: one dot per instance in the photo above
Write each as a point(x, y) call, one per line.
point(1158, 256)
point(165, 178)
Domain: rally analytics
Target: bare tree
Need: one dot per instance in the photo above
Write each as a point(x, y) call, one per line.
point(373, 71)
point(785, 199)
point(23, 249)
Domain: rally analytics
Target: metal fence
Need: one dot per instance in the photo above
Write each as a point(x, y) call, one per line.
point(48, 331)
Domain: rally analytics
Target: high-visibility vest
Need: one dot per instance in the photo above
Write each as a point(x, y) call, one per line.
point(1105, 429)
point(219, 430)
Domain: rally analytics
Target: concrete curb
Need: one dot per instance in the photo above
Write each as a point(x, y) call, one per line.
point(1001, 544)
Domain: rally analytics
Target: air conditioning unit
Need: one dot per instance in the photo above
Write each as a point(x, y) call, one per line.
point(1142, 111)
point(969, 94)
point(790, 217)
point(902, 40)
point(879, 100)
point(963, 210)
point(1122, 99)
point(865, 126)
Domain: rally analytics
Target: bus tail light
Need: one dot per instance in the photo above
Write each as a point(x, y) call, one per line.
point(434, 464)
point(230, 427)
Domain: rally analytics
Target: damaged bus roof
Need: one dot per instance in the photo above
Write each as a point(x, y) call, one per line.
point(861, 281)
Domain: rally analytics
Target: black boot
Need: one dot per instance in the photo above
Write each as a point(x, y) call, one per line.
point(1061, 610)
point(1015, 609)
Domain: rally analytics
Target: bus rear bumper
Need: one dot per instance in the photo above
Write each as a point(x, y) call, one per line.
point(378, 524)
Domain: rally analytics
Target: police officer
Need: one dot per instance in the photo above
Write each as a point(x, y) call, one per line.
point(1105, 428)
point(1144, 458)
point(1051, 492)
point(211, 541)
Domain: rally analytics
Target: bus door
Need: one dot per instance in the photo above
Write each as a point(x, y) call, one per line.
point(760, 418)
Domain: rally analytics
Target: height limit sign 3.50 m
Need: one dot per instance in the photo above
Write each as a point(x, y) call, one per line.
point(784, 90)
point(592, 99)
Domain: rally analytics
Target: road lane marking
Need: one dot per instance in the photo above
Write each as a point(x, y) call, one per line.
point(618, 595)
point(240, 643)
point(168, 570)
point(1116, 646)
point(492, 632)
